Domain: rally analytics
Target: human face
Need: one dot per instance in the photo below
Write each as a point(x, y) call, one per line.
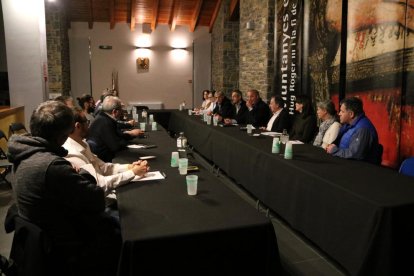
point(322, 113)
point(205, 95)
point(211, 97)
point(345, 116)
point(235, 98)
point(219, 98)
point(83, 127)
point(299, 107)
point(273, 106)
point(252, 98)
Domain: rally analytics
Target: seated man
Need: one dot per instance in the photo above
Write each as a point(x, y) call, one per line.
point(280, 119)
point(239, 109)
point(357, 138)
point(105, 138)
point(108, 175)
point(223, 107)
point(259, 112)
point(66, 205)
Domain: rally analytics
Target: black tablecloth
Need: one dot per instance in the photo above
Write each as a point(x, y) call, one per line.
point(359, 214)
point(165, 231)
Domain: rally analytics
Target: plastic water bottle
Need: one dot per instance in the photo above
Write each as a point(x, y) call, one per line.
point(144, 115)
point(181, 141)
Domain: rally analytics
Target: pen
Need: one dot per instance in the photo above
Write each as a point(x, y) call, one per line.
point(163, 173)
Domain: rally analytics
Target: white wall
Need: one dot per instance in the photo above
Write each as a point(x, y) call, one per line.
point(170, 75)
point(25, 32)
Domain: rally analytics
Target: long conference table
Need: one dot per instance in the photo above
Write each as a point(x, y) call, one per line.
point(167, 232)
point(359, 214)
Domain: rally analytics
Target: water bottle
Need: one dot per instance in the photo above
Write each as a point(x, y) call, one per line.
point(181, 141)
point(144, 115)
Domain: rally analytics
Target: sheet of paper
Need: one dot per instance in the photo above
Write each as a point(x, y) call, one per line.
point(271, 133)
point(296, 142)
point(139, 146)
point(149, 176)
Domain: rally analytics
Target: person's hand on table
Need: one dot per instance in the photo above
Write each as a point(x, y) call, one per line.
point(140, 168)
point(219, 118)
point(134, 132)
point(131, 122)
point(330, 148)
point(227, 121)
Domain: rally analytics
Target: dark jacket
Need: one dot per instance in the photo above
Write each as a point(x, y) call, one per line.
point(282, 121)
point(105, 138)
point(50, 193)
point(225, 109)
point(241, 116)
point(259, 115)
point(303, 128)
point(68, 207)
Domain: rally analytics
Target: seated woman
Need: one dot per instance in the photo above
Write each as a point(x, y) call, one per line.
point(87, 104)
point(206, 100)
point(304, 121)
point(329, 128)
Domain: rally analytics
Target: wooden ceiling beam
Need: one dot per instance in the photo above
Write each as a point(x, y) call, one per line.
point(196, 14)
point(233, 6)
point(172, 21)
point(154, 20)
point(111, 14)
point(132, 14)
point(90, 12)
point(215, 13)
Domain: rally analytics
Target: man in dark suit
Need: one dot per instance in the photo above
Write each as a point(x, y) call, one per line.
point(223, 107)
point(105, 138)
point(239, 109)
point(280, 119)
point(259, 112)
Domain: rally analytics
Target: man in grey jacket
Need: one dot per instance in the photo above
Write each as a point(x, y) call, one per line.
point(67, 205)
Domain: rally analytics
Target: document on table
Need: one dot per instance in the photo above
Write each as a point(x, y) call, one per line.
point(295, 142)
point(155, 175)
point(139, 146)
point(271, 133)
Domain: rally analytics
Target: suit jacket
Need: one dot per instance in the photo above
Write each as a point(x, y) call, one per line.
point(282, 121)
point(225, 109)
point(105, 139)
point(241, 116)
point(259, 115)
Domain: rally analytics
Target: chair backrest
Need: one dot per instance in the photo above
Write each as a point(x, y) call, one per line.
point(141, 107)
point(407, 166)
point(17, 128)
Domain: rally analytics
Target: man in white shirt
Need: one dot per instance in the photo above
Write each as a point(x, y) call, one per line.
point(280, 119)
point(108, 175)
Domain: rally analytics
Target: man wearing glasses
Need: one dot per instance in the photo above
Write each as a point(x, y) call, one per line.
point(108, 175)
point(105, 138)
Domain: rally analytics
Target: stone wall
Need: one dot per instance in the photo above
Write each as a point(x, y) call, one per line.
point(225, 51)
point(57, 49)
point(257, 46)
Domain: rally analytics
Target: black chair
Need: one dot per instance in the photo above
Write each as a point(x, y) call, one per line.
point(5, 165)
point(17, 128)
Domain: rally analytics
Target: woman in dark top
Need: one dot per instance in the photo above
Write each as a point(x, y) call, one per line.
point(304, 121)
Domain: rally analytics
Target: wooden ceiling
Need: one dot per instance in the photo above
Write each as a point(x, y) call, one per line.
point(191, 13)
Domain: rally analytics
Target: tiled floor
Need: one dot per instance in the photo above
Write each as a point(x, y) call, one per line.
point(298, 257)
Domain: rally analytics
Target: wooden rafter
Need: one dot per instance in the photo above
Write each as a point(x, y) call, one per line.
point(213, 18)
point(155, 7)
point(196, 14)
point(90, 10)
point(132, 14)
point(174, 15)
point(233, 6)
point(111, 14)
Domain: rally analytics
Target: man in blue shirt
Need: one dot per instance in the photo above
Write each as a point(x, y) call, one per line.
point(357, 138)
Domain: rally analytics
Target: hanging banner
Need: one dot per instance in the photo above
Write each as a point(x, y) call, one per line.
point(288, 27)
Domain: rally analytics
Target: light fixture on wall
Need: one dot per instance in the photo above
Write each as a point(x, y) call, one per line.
point(105, 47)
point(179, 48)
point(250, 25)
point(140, 47)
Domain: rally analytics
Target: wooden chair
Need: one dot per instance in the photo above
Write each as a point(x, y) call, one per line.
point(17, 128)
point(5, 165)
